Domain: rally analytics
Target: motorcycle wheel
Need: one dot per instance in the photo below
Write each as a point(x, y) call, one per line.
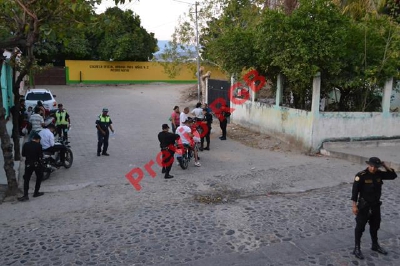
point(46, 174)
point(69, 158)
point(184, 162)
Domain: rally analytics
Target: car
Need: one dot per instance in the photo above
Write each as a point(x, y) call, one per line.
point(32, 96)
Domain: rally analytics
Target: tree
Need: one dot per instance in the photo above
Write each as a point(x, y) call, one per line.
point(23, 24)
point(122, 38)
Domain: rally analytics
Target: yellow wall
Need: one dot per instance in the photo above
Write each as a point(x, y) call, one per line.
point(129, 72)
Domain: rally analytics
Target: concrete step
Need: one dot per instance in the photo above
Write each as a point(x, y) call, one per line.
point(387, 150)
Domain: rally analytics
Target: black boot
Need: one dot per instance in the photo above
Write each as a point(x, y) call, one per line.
point(357, 252)
point(379, 249)
point(23, 198)
point(38, 194)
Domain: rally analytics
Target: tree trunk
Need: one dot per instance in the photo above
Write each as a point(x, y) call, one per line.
point(6, 144)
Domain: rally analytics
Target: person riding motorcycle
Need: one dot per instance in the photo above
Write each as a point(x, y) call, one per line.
point(48, 144)
point(186, 138)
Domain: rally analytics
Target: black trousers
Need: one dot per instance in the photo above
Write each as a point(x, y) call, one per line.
point(29, 169)
point(372, 215)
point(223, 125)
point(60, 148)
point(102, 141)
point(207, 137)
point(62, 130)
point(167, 160)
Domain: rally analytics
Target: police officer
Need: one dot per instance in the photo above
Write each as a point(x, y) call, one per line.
point(366, 194)
point(223, 115)
point(102, 124)
point(32, 150)
point(63, 122)
point(167, 141)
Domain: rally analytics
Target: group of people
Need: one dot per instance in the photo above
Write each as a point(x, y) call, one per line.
point(41, 139)
point(190, 129)
point(36, 120)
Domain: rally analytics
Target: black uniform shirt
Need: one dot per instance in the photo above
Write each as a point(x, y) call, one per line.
point(208, 118)
point(369, 185)
point(104, 122)
point(167, 138)
point(32, 151)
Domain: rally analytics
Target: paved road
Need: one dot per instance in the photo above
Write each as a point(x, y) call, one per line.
point(267, 208)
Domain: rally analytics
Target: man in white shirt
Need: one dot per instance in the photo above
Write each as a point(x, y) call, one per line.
point(186, 138)
point(198, 112)
point(36, 121)
point(48, 144)
point(184, 115)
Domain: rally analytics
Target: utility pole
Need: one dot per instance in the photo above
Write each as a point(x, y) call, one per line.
point(196, 4)
point(197, 54)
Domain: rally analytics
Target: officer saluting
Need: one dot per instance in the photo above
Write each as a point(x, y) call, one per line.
point(167, 141)
point(32, 150)
point(366, 191)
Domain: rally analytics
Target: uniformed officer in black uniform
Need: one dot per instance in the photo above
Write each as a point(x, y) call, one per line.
point(102, 124)
point(167, 141)
point(366, 194)
point(207, 121)
point(32, 150)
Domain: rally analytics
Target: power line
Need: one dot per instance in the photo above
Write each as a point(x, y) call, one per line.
point(183, 2)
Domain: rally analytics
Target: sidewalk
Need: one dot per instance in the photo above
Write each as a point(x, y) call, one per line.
point(360, 151)
point(3, 178)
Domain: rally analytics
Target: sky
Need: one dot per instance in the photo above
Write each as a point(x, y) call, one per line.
point(157, 16)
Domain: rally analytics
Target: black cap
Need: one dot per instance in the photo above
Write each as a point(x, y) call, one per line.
point(60, 105)
point(374, 161)
point(36, 136)
point(165, 126)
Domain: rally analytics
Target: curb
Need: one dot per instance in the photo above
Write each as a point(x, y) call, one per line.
point(328, 149)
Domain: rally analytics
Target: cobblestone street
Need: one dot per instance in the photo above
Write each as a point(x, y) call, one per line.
point(267, 207)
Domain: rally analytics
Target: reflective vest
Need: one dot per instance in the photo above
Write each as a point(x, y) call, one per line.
point(104, 119)
point(60, 118)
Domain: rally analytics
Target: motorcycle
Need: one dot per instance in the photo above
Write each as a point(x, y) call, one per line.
point(51, 160)
point(186, 155)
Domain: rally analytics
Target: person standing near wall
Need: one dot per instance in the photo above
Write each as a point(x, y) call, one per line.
point(366, 194)
point(223, 115)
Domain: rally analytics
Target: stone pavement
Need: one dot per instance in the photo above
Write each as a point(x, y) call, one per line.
point(267, 208)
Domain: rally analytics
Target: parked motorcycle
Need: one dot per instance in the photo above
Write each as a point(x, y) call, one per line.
point(51, 160)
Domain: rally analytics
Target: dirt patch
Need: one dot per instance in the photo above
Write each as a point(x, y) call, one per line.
point(258, 140)
point(189, 94)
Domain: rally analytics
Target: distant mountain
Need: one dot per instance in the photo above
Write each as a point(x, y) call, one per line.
point(161, 46)
point(162, 43)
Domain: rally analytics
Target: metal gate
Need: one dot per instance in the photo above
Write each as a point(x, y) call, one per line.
point(218, 91)
point(52, 76)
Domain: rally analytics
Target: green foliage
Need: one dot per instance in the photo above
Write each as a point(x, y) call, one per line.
point(120, 37)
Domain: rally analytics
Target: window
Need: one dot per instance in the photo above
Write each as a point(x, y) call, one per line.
point(38, 96)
